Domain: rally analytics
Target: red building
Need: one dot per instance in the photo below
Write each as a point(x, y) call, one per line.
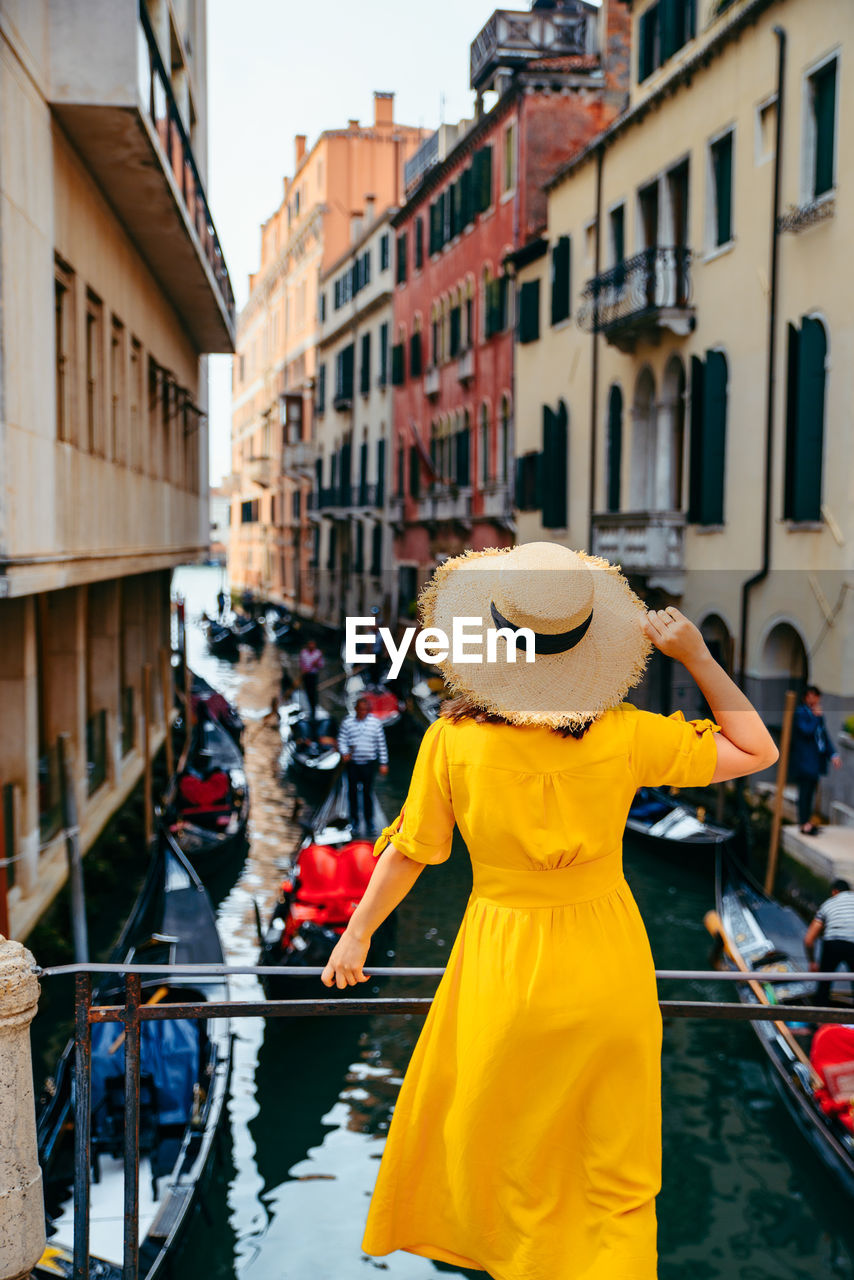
point(561, 74)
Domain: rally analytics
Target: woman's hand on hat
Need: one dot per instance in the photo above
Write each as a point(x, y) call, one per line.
point(674, 634)
point(344, 968)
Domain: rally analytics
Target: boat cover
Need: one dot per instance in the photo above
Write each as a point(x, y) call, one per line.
point(832, 1055)
point(169, 1056)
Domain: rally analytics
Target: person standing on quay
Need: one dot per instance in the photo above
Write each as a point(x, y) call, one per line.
point(526, 1138)
point(812, 749)
point(311, 663)
point(362, 744)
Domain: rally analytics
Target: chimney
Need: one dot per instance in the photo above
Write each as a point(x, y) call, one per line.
point(370, 209)
point(383, 109)
point(299, 148)
point(352, 124)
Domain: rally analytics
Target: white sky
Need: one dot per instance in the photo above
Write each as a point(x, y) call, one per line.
point(281, 67)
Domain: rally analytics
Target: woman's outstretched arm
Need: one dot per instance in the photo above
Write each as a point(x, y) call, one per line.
point(744, 744)
point(393, 877)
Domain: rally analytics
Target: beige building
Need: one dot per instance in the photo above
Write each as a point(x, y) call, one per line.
point(691, 417)
point(335, 184)
point(112, 287)
point(353, 430)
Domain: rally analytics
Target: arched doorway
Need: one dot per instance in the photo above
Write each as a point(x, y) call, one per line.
point(784, 666)
point(671, 438)
point(642, 486)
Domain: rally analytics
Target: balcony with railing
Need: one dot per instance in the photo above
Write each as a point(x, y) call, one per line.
point(650, 544)
point(446, 502)
point(432, 382)
point(299, 457)
point(511, 38)
point(260, 471)
point(496, 503)
point(113, 96)
point(640, 298)
point(465, 365)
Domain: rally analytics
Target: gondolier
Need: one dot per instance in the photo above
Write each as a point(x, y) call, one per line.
point(311, 664)
point(834, 924)
point(362, 744)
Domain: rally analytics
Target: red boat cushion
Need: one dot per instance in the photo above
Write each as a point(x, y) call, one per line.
point(383, 705)
point(336, 878)
point(832, 1055)
point(203, 793)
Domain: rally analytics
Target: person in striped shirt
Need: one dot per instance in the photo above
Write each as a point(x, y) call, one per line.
point(834, 924)
point(361, 741)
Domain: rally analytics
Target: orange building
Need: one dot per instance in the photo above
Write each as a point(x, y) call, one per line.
point(347, 173)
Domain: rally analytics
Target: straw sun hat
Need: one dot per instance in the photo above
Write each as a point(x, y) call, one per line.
point(590, 649)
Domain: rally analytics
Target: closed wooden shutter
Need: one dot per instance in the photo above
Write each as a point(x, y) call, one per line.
point(466, 197)
point(383, 354)
point(649, 51)
point(401, 259)
point(824, 106)
point(346, 471)
point(809, 439)
point(419, 243)
point(377, 549)
point(365, 365)
point(695, 460)
point(529, 311)
point(398, 364)
point(380, 473)
point(463, 450)
point(415, 355)
point(791, 451)
point(561, 263)
point(482, 179)
point(714, 439)
point(670, 22)
point(554, 467)
point(363, 474)
point(722, 168)
point(615, 448)
point(529, 482)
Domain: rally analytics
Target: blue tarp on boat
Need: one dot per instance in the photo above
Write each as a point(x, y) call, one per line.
point(169, 1056)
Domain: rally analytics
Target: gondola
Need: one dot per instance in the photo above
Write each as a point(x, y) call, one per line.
point(769, 938)
point(309, 743)
point(668, 825)
point(218, 708)
point(222, 641)
point(183, 1086)
point(207, 805)
point(329, 874)
point(383, 702)
point(249, 631)
point(427, 697)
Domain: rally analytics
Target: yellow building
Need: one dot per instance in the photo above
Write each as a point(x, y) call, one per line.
point(112, 286)
point(335, 184)
point(684, 355)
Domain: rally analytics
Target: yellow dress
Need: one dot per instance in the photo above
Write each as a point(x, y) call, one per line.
point(526, 1140)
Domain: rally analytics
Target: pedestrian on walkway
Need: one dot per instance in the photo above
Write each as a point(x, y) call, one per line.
point(361, 741)
point(526, 1138)
point(834, 924)
point(812, 751)
point(311, 663)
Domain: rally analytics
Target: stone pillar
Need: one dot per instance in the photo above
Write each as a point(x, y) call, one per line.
point(22, 1233)
point(19, 751)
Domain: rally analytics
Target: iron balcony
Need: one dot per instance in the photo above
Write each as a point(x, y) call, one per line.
point(641, 297)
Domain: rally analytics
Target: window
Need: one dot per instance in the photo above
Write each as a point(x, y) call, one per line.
point(482, 179)
point(414, 472)
point(529, 311)
point(363, 474)
point(664, 29)
point(649, 43)
point(415, 354)
point(401, 465)
point(118, 395)
point(504, 441)
point(249, 512)
point(468, 336)
point(509, 173)
point(137, 458)
point(384, 251)
point(805, 399)
point(365, 365)
point(462, 451)
point(529, 481)
point(617, 235)
point(376, 549)
point(561, 262)
point(321, 308)
point(707, 466)
point(400, 277)
point(820, 131)
point(484, 444)
point(720, 172)
point(614, 449)
point(320, 398)
point(398, 364)
point(384, 354)
point(94, 373)
point(419, 243)
point(344, 376)
point(380, 473)
point(495, 320)
point(766, 130)
point(456, 330)
point(554, 467)
point(64, 347)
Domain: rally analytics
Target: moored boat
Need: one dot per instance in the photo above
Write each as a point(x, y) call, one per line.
point(666, 824)
point(249, 631)
point(427, 698)
point(812, 1073)
point(383, 702)
point(222, 641)
point(309, 742)
point(217, 707)
point(183, 1087)
point(207, 806)
point(328, 877)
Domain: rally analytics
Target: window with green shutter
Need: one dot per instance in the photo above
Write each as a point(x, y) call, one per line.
point(415, 354)
point(466, 197)
point(823, 94)
point(419, 243)
point(649, 43)
point(359, 557)
point(400, 275)
point(721, 153)
point(678, 25)
point(707, 460)
point(401, 466)
point(805, 401)
point(320, 400)
point(529, 473)
point(376, 550)
point(455, 331)
point(561, 266)
point(363, 474)
point(398, 364)
point(384, 251)
point(555, 466)
point(463, 449)
point(365, 364)
point(344, 478)
point(614, 449)
point(529, 311)
point(482, 179)
point(380, 473)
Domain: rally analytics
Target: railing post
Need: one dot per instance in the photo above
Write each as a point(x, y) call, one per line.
point(22, 1228)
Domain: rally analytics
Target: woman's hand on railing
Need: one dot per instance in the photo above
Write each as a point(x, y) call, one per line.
point(346, 962)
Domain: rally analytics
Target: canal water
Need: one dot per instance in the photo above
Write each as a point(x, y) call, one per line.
point(311, 1099)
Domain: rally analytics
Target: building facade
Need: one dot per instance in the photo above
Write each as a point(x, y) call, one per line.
point(112, 288)
point(560, 76)
point(335, 184)
point(689, 417)
point(353, 419)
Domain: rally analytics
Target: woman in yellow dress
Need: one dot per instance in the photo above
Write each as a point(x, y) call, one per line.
point(526, 1140)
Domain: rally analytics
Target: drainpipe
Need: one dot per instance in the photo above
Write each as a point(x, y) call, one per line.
point(594, 370)
point(762, 574)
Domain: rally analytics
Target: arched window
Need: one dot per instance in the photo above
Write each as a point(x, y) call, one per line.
point(643, 442)
point(484, 443)
point(503, 470)
point(614, 448)
point(463, 451)
point(805, 398)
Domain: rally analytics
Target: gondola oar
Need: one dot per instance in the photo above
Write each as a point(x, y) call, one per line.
point(714, 924)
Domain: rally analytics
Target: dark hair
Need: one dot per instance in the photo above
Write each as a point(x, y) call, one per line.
point(813, 689)
point(840, 886)
point(463, 708)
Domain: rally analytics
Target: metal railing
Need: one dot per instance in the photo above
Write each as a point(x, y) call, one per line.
point(654, 280)
point(133, 1013)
